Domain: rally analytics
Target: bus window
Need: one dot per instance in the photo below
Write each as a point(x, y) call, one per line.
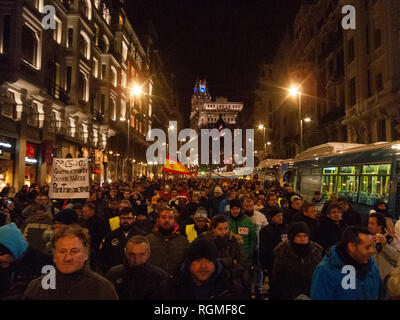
point(375, 183)
point(348, 187)
point(328, 185)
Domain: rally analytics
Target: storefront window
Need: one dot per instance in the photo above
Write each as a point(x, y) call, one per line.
point(7, 156)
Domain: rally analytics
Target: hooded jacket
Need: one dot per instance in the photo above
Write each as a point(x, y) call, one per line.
point(220, 286)
point(244, 227)
point(328, 276)
point(291, 275)
point(168, 252)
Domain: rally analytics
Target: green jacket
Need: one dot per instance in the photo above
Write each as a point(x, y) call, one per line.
point(168, 252)
point(244, 227)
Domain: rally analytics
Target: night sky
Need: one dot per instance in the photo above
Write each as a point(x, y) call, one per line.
point(223, 41)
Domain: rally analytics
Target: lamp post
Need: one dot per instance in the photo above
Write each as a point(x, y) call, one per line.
point(265, 148)
point(136, 90)
point(294, 91)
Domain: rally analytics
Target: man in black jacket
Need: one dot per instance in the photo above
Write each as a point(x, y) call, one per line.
point(97, 228)
point(270, 236)
point(203, 277)
point(350, 217)
point(113, 245)
point(136, 278)
point(309, 215)
point(331, 228)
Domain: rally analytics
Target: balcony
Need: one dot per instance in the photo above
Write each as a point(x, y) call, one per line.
point(97, 117)
point(57, 92)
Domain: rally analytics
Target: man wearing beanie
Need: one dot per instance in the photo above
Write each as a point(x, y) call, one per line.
point(19, 263)
point(203, 277)
point(242, 225)
point(295, 262)
point(270, 236)
point(215, 201)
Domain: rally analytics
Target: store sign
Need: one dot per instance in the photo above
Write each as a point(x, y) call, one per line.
point(69, 178)
point(30, 150)
point(48, 151)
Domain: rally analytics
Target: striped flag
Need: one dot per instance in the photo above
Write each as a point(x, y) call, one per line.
point(174, 166)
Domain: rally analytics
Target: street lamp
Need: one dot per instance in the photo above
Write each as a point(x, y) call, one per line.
point(134, 91)
point(261, 127)
point(294, 91)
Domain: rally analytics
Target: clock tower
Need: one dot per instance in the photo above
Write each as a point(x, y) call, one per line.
point(200, 96)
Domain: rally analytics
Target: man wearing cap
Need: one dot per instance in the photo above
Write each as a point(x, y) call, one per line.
point(19, 263)
point(294, 264)
point(113, 244)
point(200, 225)
point(242, 225)
point(203, 277)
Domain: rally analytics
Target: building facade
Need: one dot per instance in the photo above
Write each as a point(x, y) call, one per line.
point(68, 92)
point(206, 113)
point(348, 79)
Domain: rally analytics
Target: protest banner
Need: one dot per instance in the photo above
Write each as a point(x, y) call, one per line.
point(69, 178)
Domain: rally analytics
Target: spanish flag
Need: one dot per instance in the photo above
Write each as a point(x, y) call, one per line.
point(174, 166)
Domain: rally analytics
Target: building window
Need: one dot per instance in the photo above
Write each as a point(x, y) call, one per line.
point(9, 108)
point(72, 127)
point(379, 82)
point(123, 79)
point(103, 71)
point(83, 86)
point(352, 92)
point(124, 51)
point(95, 68)
point(30, 46)
point(70, 38)
point(102, 104)
point(350, 50)
point(68, 79)
point(105, 44)
point(123, 109)
point(57, 32)
point(96, 35)
point(114, 77)
point(377, 38)
point(112, 110)
point(86, 8)
point(369, 89)
point(5, 32)
point(84, 45)
point(381, 130)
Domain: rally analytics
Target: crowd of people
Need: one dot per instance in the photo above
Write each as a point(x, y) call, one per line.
point(195, 239)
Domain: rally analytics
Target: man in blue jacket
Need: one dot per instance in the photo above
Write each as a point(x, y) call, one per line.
point(348, 272)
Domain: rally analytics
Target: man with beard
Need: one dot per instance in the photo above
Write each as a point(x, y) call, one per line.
point(200, 225)
point(168, 246)
point(136, 278)
point(229, 248)
point(112, 246)
point(353, 251)
point(271, 203)
point(260, 221)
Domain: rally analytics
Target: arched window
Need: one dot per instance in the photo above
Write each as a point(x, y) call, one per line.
point(86, 8)
point(84, 45)
point(105, 44)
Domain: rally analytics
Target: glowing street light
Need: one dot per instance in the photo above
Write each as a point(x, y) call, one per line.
point(136, 90)
point(308, 119)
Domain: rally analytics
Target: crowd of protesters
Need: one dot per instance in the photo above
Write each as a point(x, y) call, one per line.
point(195, 239)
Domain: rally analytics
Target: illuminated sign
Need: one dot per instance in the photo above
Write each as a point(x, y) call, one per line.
point(5, 145)
point(30, 160)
